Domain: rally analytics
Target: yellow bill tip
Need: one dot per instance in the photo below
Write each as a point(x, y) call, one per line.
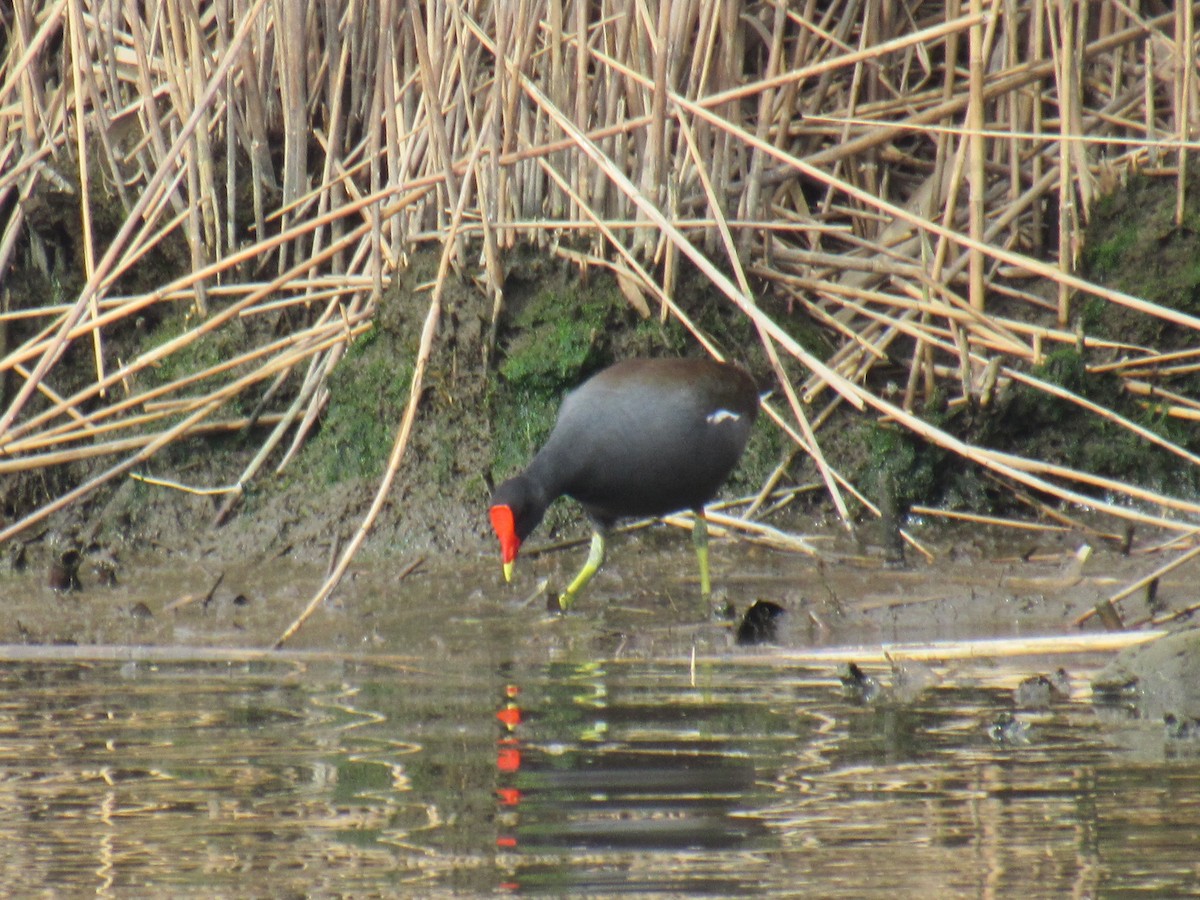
point(508, 570)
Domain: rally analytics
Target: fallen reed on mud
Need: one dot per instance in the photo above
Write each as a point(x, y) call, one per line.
point(914, 179)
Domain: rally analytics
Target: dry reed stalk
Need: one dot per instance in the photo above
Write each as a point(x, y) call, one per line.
point(1022, 262)
point(1029, 473)
point(977, 151)
point(755, 532)
point(184, 427)
point(634, 267)
point(1185, 66)
point(124, 445)
point(781, 375)
point(965, 358)
point(1044, 509)
point(770, 486)
point(992, 332)
point(1108, 415)
point(424, 349)
point(298, 346)
point(724, 526)
point(1166, 372)
point(298, 349)
point(109, 260)
point(845, 484)
point(1135, 146)
point(1141, 583)
point(1043, 270)
point(714, 275)
point(948, 650)
point(1014, 465)
point(811, 146)
point(1163, 619)
point(978, 519)
point(181, 487)
point(1187, 412)
point(53, 396)
point(79, 73)
point(282, 424)
point(160, 352)
point(213, 402)
point(308, 290)
point(1157, 396)
point(1146, 365)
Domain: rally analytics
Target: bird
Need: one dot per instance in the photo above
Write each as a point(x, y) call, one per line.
point(644, 437)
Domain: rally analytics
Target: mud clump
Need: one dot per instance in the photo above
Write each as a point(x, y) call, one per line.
point(1157, 679)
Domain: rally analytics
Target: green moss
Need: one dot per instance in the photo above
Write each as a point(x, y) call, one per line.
point(1134, 245)
point(901, 460)
point(1033, 423)
point(559, 330)
point(367, 395)
point(558, 333)
point(764, 451)
point(522, 422)
point(1109, 256)
point(1065, 367)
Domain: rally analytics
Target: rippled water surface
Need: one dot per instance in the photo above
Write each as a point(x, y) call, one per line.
point(439, 735)
point(479, 769)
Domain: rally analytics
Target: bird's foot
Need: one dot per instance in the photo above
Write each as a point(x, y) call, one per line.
point(558, 606)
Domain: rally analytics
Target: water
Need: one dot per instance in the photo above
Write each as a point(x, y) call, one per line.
point(437, 736)
point(493, 769)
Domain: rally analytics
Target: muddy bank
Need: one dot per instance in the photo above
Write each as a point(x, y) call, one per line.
point(489, 401)
point(150, 548)
point(644, 601)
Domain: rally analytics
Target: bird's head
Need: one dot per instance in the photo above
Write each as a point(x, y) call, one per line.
point(515, 512)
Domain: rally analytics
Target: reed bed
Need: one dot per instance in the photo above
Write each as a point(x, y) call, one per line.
point(914, 178)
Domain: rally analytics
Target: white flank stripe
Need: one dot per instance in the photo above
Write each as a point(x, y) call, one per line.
point(721, 415)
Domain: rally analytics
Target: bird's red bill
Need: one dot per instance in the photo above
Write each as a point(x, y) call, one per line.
point(506, 530)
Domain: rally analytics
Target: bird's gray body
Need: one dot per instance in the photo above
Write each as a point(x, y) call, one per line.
point(647, 437)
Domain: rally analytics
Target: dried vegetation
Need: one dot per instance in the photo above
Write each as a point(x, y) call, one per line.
point(916, 179)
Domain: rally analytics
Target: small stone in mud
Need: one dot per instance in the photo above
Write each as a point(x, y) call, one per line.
point(1007, 729)
point(723, 610)
point(1181, 728)
point(241, 600)
point(858, 685)
point(64, 572)
point(760, 624)
point(1159, 677)
point(1039, 691)
point(140, 610)
point(105, 567)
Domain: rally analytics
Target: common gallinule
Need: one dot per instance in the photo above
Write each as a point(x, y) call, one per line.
point(644, 437)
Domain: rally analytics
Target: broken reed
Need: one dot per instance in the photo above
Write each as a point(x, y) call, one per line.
point(888, 170)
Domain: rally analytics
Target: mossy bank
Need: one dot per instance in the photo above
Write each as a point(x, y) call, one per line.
point(492, 389)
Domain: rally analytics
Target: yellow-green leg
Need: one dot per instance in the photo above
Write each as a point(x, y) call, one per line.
point(700, 539)
point(594, 560)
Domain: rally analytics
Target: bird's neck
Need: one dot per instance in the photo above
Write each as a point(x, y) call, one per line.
point(545, 478)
